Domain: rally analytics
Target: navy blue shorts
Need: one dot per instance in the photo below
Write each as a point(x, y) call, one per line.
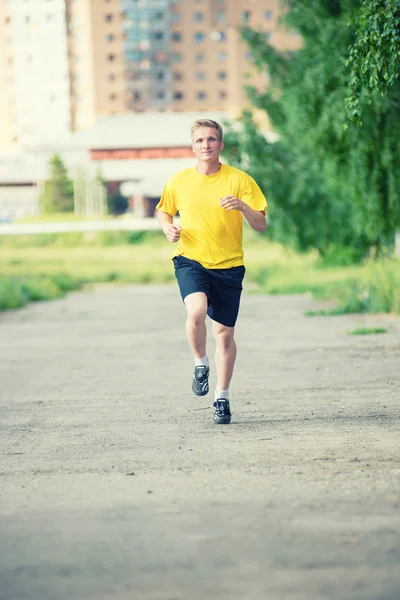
point(223, 287)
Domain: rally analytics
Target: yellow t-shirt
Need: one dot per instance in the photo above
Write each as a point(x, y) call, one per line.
point(211, 235)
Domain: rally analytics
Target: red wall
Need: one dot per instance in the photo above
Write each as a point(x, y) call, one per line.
point(118, 154)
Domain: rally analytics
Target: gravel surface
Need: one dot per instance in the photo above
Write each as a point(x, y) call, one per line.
point(116, 484)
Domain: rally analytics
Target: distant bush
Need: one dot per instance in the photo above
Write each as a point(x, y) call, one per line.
point(76, 239)
point(17, 291)
point(339, 256)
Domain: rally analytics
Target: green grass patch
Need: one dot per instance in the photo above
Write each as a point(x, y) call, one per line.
point(49, 264)
point(17, 291)
point(368, 330)
point(325, 313)
point(85, 239)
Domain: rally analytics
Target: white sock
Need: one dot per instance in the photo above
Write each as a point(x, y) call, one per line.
point(201, 361)
point(222, 394)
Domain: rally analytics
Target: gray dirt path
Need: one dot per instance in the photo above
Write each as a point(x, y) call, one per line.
point(116, 484)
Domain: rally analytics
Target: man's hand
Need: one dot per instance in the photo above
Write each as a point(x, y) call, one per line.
point(231, 203)
point(254, 218)
point(173, 232)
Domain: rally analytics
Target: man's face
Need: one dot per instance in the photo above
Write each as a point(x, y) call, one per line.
point(206, 144)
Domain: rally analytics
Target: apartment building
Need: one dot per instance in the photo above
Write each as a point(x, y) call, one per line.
point(182, 54)
point(66, 63)
point(34, 72)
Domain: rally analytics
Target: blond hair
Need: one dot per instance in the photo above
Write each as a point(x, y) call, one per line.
point(207, 123)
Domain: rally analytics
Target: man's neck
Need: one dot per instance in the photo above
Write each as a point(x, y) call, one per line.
point(208, 168)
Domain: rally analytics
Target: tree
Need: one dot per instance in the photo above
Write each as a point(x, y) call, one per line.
point(374, 56)
point(58, 194)
point(328, 188)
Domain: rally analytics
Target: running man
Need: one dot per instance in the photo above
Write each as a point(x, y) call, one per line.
point(212, 200)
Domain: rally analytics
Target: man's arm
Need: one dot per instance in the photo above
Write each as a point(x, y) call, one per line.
point(172, 232)
point(254, 218)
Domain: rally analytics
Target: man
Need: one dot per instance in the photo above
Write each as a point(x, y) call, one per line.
point(212, 200)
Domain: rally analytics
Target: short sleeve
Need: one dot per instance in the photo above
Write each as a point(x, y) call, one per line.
point(167, 201)
point(252, 195)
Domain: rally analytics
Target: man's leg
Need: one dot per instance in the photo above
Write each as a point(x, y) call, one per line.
point(196, 331)
point(225, 354)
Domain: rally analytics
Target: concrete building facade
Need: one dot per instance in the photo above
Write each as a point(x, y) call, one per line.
point(34, 72)
point(66, 63)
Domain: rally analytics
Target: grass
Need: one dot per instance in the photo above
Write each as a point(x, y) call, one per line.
point(368, 330)
point(54, 263)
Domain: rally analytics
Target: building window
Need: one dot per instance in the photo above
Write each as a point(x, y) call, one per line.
point(160, 56)
point(200, 75)
point(222, 95)
point(176, 17)
point(220, 16)
point(160, 95)
point(218, 36)
point(108, 18)
point(111, 57)
point(198, 16)
point(177, 57)
point(267, 35)
point(201, 95)
point(245, 16)
point(178, 95)
point(111, 77)
point(177, 76)
point(158, 35)
point(113, 97)
point(199, 57)
point(160, 76)
point(177, 36)
point(198, 37)
point(221, 74)
point(109, 37)
point(222, 56)
point(268, 15)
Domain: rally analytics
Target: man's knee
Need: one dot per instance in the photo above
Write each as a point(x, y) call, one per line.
point(196, 307)
point(224, 336)
point(196, 315)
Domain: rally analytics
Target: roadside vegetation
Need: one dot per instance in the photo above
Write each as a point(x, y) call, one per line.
point(331, 176)
point(46, 266)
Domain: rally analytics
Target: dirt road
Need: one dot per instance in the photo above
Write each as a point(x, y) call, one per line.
point(116, 484)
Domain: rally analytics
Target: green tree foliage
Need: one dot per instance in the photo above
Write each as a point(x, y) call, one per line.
point(327, 187)
point(58, 193)
point(374, 55)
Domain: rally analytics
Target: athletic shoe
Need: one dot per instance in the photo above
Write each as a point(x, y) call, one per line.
point(200, 380)
point(222, 412)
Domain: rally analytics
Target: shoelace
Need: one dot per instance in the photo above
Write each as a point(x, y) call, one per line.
point(221, 406)
point(200, 373)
